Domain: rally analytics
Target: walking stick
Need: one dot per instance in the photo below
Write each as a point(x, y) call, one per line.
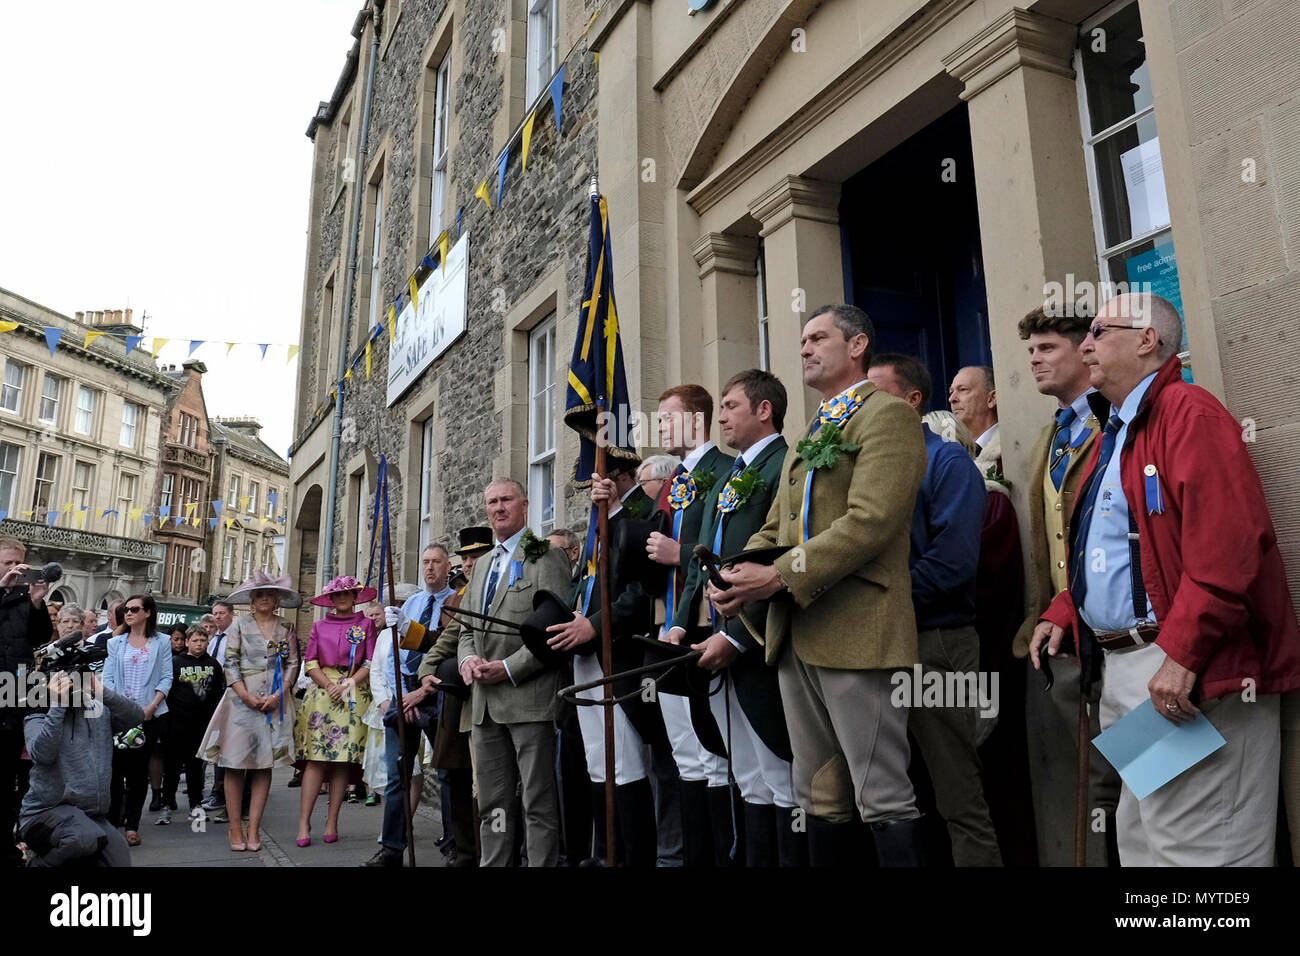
point(606, 643)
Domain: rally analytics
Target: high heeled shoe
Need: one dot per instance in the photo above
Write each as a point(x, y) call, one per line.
point(331, 838)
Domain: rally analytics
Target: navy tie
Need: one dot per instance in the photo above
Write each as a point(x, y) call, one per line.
point(493, 579)
point(1059, 459)
point(426, 616)
point(1078, 564)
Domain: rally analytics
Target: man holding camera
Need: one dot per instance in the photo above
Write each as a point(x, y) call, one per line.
point(64, 817)
point(24, 626)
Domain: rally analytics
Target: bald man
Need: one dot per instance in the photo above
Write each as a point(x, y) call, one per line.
point(1175, 574)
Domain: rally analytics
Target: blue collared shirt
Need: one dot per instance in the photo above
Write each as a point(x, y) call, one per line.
point(414, 610)
point(1082, 412)
point(1108, 601)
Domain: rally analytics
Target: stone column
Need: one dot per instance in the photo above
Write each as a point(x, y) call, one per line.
point(802, 253)
point(729, 314)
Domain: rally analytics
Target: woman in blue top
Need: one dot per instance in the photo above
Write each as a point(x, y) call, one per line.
point(139, 667)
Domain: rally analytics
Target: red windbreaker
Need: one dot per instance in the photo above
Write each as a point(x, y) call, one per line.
point(1210, 560)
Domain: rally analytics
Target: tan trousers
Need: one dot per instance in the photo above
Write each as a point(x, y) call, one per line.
point(506, 755)
point(849, 742)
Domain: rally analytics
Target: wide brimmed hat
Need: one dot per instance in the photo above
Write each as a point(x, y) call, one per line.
point(261, 581)
point(474, 541)
point(344, 582)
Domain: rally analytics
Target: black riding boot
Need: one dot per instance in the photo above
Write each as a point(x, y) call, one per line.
point(829, 844)
point(636, 824)
point(760, 834)
point(791, 837)
point(898, 842)
point(697, 832)
point(724, 807)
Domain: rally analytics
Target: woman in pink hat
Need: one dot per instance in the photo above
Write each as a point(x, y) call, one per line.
point(331, 734)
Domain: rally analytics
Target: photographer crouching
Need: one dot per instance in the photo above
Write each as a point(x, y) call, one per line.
point(64, 817)
point(24, 625)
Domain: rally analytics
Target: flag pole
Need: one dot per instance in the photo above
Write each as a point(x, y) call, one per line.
point(602, 575)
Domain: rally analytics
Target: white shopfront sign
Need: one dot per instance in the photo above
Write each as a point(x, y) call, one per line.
point(426, 332)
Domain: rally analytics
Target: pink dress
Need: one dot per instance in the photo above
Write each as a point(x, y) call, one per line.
point(328, 731)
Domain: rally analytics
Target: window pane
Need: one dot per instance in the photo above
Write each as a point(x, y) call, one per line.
point(1131, 182)
point(1115, 69)
point(9, 456)
point(85, 410)
point(11, 394)
point(50, 392)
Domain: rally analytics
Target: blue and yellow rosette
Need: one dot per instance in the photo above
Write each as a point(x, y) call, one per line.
point(729, 500)
point(681, 493)
point(356, 635)
point(280, 650)
point(834, 411)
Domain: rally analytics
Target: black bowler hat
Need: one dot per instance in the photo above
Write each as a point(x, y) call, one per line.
point(548, 609)
point(629, 559)
point(474, 541)
point(449, 679)
point(765, 556)
point(686, 679)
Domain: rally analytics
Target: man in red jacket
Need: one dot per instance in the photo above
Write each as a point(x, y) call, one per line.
point(1176, 574)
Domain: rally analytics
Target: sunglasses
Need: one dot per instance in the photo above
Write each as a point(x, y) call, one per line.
point(132, 610)
point(1099, 328)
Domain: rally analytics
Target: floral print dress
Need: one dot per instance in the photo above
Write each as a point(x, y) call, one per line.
point(327, 731)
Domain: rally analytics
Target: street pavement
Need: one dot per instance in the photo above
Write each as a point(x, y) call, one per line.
point(183, 843)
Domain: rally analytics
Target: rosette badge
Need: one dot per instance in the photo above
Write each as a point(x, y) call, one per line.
point(356, 634)
point(682, 492)
point(838, 410)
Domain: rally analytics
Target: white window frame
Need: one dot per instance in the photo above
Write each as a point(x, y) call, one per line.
point(82, 491)
point(85, 413)
point(268, 559)
point(39, 511)
point(166, 496)
point(254, 492)
point(130, 425)
point(542, 388)
point(270, 508)
point(232, 494)
point(764, 325)
point(250, 556)
point(228, 560)
point(426, 482)
point(128, 486)
point(8, 477)
point(11, 392)
point(376, 253)
point(543, 46)
point(441, 129)
point(363, 515)
point(52, 401)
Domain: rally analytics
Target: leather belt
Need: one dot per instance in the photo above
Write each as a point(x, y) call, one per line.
point(1132, 637)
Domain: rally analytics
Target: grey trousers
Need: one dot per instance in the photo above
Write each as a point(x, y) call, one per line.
point(65, 835)
point(506, 756)
point(946, 738)
point(849, 742)
point(1052, 735)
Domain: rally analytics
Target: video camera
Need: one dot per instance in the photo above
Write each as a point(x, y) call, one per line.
point(65, 655)
point(52, 572)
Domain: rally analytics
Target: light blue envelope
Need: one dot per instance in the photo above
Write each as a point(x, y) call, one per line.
point(1149, 751)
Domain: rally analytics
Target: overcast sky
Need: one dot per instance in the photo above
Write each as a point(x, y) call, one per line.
point(152, 154)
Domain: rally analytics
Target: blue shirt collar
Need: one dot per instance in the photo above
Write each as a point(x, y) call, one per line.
point(1128, 408)
point(512, 542)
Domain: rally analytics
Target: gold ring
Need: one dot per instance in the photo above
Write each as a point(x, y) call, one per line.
point(1171, 706)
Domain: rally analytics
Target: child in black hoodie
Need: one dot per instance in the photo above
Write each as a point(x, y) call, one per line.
point(197, 685)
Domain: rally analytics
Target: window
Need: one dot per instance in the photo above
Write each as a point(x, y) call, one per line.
point(254, 489)
point(232, 496)
point(85, 410)
point(250, 555)
point(1130, 208)
point(9, 458)
point(376, 252)
point(168, 487)
point(228, 560)
point(543, 45)
point(126, 489)
point(426, 482)
point(130, 417)
point(344, 173)
point(51, 391)
point(11, 393)
point(83, 477)
point(189, 431)
point(764, 331)
point(541, 427)
point(179, 570)
point(47, 474)
point(364, 505)
point(268, 559)
point(441, 110)
point(272, 499)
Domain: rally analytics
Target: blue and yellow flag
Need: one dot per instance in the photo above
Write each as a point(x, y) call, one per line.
point(597, 380)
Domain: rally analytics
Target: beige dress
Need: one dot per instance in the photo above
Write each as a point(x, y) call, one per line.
point(239, 737)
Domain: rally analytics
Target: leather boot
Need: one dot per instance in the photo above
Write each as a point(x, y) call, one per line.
point(697, 833)
point(829, 844)
point(724, 808)
point(636, 824)
point(598, 844)
point(791, 843)
point(760, 834)
point(898, 842)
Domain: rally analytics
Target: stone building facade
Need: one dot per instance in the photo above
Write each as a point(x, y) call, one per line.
point(80, 443)
point(183, 500)
point(252, 482)
point(943, 163)
point(452, 74)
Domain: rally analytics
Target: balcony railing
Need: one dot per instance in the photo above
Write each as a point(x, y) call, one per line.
point(180, 455)
point(84, 542)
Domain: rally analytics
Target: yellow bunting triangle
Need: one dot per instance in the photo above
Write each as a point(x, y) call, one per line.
point(368, 359)
point(230, 347)
point(483, 194)
point(244, 502)
point(392, 321)
point(443, 242)
point(81, 519)
point(293, 350)
point(229, 522)
point(347, 374)
point(595, 58)
point(189, 508)
point(415, 292)
point(90, 337)
point(135, 513)
point(528, 136)
point(8, 326)
point(157, 346)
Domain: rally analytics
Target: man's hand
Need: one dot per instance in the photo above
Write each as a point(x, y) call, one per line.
point(469, 669)
point(150, 711)
point(429, 684)
point(11, 576)
point(37, 592)
point(603, 489)
point(719, 652)
point(387, 705)
point(393, 617)
point(663, 550)
point(59, 690)
point(1049, 633)
point(674, 635)
point(491, 672)
point(571, 634)
point(1171, 690)
point(749, 582)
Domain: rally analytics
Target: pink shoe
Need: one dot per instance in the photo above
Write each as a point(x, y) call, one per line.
point(331, 838)
point(305, 841)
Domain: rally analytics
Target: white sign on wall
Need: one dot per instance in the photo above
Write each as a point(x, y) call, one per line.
point(426, 332)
